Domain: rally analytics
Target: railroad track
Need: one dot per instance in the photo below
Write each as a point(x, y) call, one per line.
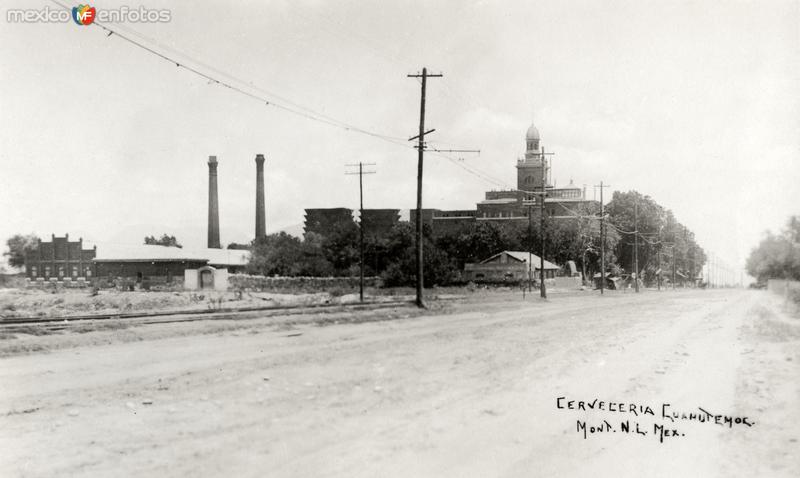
point(12, 324)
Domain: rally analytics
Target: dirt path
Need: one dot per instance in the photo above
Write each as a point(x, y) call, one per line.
point(470, 393)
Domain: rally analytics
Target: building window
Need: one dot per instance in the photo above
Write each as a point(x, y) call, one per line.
point(33, 271)
point(60, 271)
point(46, 272)
point(74, 271)
point(88, 271)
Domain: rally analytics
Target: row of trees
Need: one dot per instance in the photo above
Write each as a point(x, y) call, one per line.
point(663, 241)
point(576, 238)
point(777, 256)
point(165, 240)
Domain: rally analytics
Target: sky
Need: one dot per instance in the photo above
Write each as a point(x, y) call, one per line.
point(694, 103)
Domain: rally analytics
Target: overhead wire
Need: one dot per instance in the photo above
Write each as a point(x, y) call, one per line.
point(188, 63)
point(297, 110)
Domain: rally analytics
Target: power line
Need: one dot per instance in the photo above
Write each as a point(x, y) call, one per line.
point(297, 110)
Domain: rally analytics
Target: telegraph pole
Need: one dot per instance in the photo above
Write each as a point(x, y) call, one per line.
point(636, 245)
point(542, 288)
point(602, 240)
point(361, 174)
point(685, 254)
point(709, 280)
point(530, 248)
point(674, 247)
point(421, 152)
point(658, 256)
point(694, 275)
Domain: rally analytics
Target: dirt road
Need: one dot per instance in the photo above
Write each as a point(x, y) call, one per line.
point(496, 387)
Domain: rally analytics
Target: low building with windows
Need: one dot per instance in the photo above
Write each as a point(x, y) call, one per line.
point(60, 259)
point(144, 265)
point(509, 266)
point(149, 265)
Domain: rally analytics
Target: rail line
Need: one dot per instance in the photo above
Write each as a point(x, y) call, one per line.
point(11, 324)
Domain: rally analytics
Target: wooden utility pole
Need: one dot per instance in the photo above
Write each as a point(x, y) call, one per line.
point(421, 152)
point(530, 248)
point(361, 174)
point(542, 287)
point(658, 277)
point(685, 253)
point(636, 245)
point(674, 246)
point(602, 240)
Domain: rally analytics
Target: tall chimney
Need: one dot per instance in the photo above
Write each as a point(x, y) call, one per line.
point(261, 228)
point(213, 205)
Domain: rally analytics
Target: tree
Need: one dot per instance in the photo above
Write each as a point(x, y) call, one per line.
point(777, 256)
point(479, 241)
point(340, 247)
point(166, 240)
point(18, 245)
point(438, 267)
point(282, 254)
point(660, 234)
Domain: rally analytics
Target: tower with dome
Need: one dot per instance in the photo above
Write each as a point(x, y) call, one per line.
point(533, 175)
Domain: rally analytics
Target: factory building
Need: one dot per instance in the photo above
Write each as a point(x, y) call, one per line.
point(533, 178)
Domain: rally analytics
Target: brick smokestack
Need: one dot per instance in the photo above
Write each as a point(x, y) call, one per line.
point(213, 204)
point(261, 220)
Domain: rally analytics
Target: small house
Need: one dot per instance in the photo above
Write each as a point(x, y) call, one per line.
point(509, 266)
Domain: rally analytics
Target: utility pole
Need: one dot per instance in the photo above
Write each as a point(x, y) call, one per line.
point(602, 240)
point(674, 246)
point(685, 254)
point(361, 174)
point(530, 248)
point(542, 288)
point(694, 274)
point(421, 152)
point(636, 245)
point(658, 277)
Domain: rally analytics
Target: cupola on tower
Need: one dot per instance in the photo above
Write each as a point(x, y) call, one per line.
point(531, 171)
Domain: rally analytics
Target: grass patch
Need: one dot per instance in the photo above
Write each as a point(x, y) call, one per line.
point(32, 330)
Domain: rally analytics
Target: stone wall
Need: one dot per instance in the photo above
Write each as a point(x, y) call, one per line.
point(297, 284)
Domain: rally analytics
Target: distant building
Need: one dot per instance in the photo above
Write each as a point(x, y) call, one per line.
point(157, 264)
point(508, 266)
point(376, 221)
point(533, 176)
point(64, 261)
point(60, 259)
point(322, 221)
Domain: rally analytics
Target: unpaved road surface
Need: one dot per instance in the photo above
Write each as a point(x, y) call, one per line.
point(473, 392)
